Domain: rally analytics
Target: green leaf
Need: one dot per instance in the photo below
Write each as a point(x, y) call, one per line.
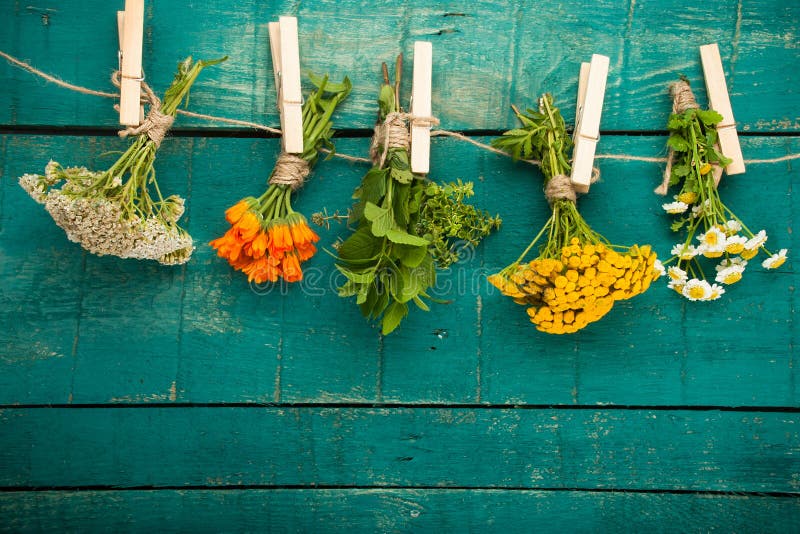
point(369, 303)
point(410, 256)
point(349, 289)
point(675, 123)
point(399, 166)
point(359, 246)
point(402, 176)
point(425, 273)
point(373, 186)
point(677, 143)
point(681, 170)
point(363, 293)
point(392, 317)
point(366, 277)
point(677, 225)
point(400, 204)
point(411, 285)
point(381, 219)
point(386, 100)
point(396, 235)
point(322, 82)
point(421, 304)
point(381, 301)
point(709, 116)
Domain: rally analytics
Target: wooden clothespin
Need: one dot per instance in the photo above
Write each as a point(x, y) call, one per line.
point(591, 92)
point(130, 25)
point(283, 41)
point(421, 107)
point(719, 101)
point(121, 33)
point(583, 81)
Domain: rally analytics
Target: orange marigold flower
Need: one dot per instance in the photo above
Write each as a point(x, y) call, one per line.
point(305, 251)
point(241, 263)
point(235, 212)
point(247, 227)
point(258, 246)
point(280, 239)
point(227, 246)
point(261, 270)
point(291, 268)
point(302, 234)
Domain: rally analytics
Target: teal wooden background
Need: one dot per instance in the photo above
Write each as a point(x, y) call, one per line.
point(138, 397)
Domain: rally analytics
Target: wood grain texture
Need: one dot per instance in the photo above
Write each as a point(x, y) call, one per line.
point(466, 418)
point(485, 56)
point(392, 510)
point(409, 447)
point(84, 329)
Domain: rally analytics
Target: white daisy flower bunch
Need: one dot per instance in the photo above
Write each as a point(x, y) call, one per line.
point(711, 231)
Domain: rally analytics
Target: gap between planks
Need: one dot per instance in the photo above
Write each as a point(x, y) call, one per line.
point(328, 487)
point(409, 405)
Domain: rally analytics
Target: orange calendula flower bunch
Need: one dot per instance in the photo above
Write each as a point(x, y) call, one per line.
point(578, 274)
point(267, 239)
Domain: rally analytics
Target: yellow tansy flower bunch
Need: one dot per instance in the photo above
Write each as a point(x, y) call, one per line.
point(578, 274)
point(720, 235)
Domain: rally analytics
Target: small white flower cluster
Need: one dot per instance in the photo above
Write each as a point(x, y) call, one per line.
point(693, 289)
point(102, 226)
point(715, 242)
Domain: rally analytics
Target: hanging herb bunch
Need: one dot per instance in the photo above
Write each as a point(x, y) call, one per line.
point(121, 211)
point(723, 242)
point(577, 275)
point(268, 239)
point(405, 225)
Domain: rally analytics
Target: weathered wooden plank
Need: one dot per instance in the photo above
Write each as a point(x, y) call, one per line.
point(526, 448)
point(391, 510)
point(486, 56)
point(124, 331)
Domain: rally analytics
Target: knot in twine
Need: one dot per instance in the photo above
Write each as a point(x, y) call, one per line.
point(682, 100)
point(393, 132)
point(290, 170)
point(559, 187)
point(682, 97)
point(156, 124)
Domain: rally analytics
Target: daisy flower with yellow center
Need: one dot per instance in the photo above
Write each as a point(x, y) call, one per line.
point(730, 275)
point(727, 262)
point(696, 289)
point(757, 241)
point(716, 292)
point(677, 286)
point(675, 208)
point(677, 274)
point(776, 260)
point(714, 238)
point(687, 197)
point(735, 244)
point(684, 252)
point(658, 268)
point(733, 227)
point(712, 243)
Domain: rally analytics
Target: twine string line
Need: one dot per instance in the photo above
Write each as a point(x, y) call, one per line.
point(434, 133)
point(156, 124)
point(559, 187)
point(290, 170)
point(394, 132)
